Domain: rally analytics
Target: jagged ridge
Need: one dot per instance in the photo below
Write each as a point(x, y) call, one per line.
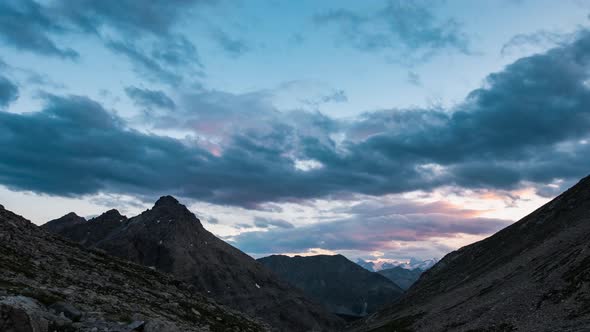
point(170, 238)
point(43, 275)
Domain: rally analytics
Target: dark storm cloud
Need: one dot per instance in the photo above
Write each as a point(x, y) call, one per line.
point(26, 25)
point(271, 223)
point(8, 91)
point(528, 124)
point(408, 27)
point(75, 147)
point(150, 98)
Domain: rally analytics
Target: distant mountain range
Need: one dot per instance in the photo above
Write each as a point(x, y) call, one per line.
point(403, 274)
point(50, 284)
point(411, 264)
point(341, 285)
point(169, 238)
point(534, 275)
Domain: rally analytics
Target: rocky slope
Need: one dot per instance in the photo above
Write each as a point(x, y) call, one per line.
point(531, 276)
point(404, 278)
point(342, 286)
point(171, 239)
point(50, 284)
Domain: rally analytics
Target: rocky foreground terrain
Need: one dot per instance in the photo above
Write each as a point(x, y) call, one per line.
point(532, 276)
point(342, 286)
point(48, 283)
point(169, 238)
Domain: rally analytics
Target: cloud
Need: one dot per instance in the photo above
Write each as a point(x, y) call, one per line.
point(176, 51)
point(129, 17)
point(334, 96)
point(235, 47)
point(144, 64)
point(26, 25)
point(541, 38)
point(143, 32)
point(8, 91)
point(150, 98)
point(406, 28)
point(269, 223)
point(414, 78)
point(526, 126)
point(369, 230)
point(75, 147)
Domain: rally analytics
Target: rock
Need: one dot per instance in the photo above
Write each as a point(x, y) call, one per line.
point(136, 325)
point(67, 309)
point(22, 314)
point(160, 326)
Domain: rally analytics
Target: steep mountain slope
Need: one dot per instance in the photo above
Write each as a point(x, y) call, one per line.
point(50, 284)
point(531, 276)
point(170, 238)
point(401, 277)
point(341, 285)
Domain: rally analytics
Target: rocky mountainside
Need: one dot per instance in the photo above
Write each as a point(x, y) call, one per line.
point(341, 285)
point(401, 277)
point(50, 284)
point(531, 276)
point(171, 239)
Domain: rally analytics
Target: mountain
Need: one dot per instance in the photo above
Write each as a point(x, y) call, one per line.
point(534, 275)
point(342, 286)
point(412, 264)
point(369, 266)
point(89, 232)
point(169, 238)
point(401, 277)
point(416, 264)
point(58, 225)
point(48, 283)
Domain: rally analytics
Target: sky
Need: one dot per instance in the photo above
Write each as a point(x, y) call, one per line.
point(382, 130)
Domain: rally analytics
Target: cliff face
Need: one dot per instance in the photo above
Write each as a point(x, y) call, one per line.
point(50, 284)
point(531, 276)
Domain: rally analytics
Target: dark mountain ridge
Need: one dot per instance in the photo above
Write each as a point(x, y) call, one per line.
point(344, 287)
point(49, 284)
point(531, 276)
point(169, 238)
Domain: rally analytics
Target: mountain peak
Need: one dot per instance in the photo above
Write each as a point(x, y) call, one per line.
point(59, 224)
point(112, 213)
point(166, 201)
